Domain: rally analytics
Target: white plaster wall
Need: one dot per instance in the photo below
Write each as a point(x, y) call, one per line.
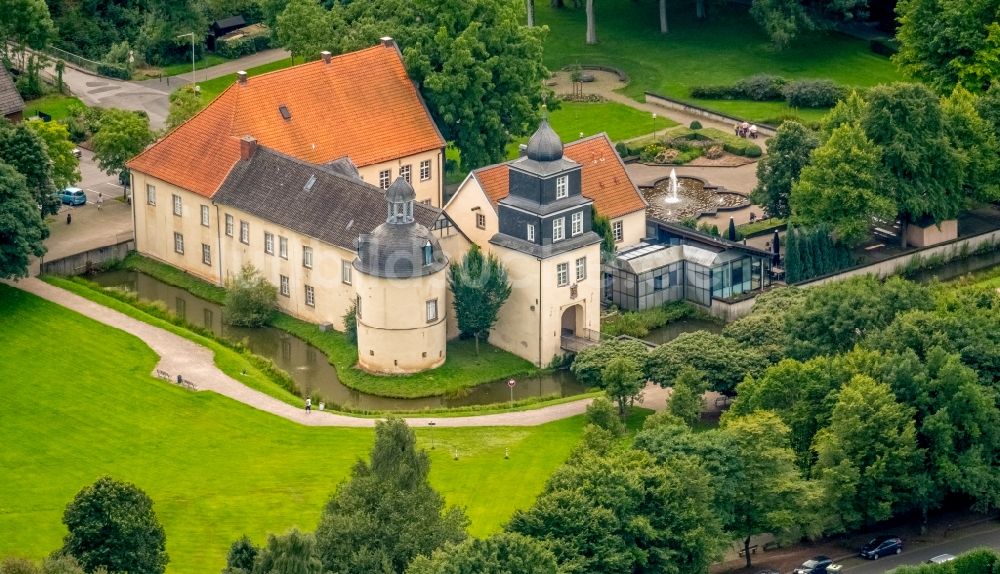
point(431, 189)
point(633, 227)
point(463, 207)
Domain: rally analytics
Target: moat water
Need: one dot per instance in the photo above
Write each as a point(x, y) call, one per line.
point(309, 367)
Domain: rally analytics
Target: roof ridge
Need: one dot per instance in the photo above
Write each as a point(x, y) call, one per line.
point(314, 62)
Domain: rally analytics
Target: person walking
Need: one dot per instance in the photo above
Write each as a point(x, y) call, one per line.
point(309, 405)
point(100, 201)
point(753, 131)
point(69, 217)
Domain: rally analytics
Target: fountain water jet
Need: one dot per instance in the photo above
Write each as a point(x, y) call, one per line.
point(672, 189)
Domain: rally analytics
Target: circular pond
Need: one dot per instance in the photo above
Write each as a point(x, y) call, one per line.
point(694, 197)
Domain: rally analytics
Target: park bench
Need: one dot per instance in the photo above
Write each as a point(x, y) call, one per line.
point(743, 551)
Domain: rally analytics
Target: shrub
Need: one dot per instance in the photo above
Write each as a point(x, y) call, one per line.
point(813, 93)
point(761, 87)
point(244, 46)
point(695, 125)
point(716, 92)
point(351, 322)
point(601, 413)
point(114, 71)
point(650, 152)
point(622, 149)
point(250, 300)
point(668, 155)
point(714, 151)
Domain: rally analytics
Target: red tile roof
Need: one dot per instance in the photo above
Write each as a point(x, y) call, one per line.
point(603, 177)
point(361, 105)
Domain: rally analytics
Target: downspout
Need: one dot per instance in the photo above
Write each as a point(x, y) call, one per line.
point(441, 160)
point(135, 236)
point(218, 239)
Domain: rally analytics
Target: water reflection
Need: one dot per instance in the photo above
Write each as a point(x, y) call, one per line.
point(958, 268)
point(308, 366)
point(670, 331)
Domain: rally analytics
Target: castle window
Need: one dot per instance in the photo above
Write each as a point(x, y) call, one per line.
point(345, 271)
point(428, 253)
point(383, 178)
point(562, 187)
point(404, 172)
point(245, 232)
point(531, 232)
point(577, 223)
point(432, 310)
point(425, 170)
point(562, 274)
point(179, 243)
point(310, 296)
point(480, 221)
point(206, 254)
point(283, 247)
point(581, 269)
point(559, 229)
point(229, 225)
point(177, 205)
point(284, 289)
point(268, 243)
point(307, 257)
point(150, 194)
point(204, 215)
point(618, 229)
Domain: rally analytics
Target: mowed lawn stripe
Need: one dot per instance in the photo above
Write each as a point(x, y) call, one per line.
point(78, 402)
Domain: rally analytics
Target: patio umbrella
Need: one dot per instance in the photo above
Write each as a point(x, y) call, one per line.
point(776, 249)
point(732, 229)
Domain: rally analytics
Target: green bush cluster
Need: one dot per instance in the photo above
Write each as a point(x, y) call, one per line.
point(769, 88)
point(640, 323)
point(732, 143)
point(813, 253)
point(114, 71)
point(695, 125)
point(244, 46)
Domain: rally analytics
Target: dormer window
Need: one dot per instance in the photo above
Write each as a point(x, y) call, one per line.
point(428, 253)
point(562, 187)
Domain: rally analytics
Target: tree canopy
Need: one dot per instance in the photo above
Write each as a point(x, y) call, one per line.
point(22, 230)
point(24, 150)
point(59, 149)
point(787, 153)
point(387, 513)
point(121, 135)
point(589, 363)
point(504, 553)
point(112, 525)
point(480, 287)
point(184, 103)
point(724, 361)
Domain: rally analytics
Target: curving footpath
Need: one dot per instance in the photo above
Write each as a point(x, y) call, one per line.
point(196, 363)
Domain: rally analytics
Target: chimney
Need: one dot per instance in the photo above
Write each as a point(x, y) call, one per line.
point(326, 56)
point(248, 146)
point(387, 41)
point(242, 77)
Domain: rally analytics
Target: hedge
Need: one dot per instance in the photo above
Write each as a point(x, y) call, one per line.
point(768, 88)
point(813, 93)
point(244, 46)
point(114, 71)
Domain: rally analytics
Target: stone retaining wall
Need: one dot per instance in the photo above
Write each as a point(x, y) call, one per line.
point(81, 262)
point(671, 104)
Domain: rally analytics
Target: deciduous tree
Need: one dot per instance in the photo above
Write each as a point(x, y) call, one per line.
point(59, 148)
point(22, 230)
point(292, 553)
point(251, 300)
point(504, 553)
point(787, 153)
point(184, 103)
point(25, 151)
point(242, 556)
point(975, 141)
point(724, 361)
point(387, 513)
point(305, 28)
point(622, 380)
point(841, 186)
point(112, 525)
point(867, 458)
point(480, 287)
point(685, 400)
point(590, 362)
point(121, 136)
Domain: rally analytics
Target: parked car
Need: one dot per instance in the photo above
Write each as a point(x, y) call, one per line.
point(941, 559)
point(73, 196)
point(815, 565)
point(882, 546)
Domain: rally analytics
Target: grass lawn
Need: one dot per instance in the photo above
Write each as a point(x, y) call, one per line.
point(212, 88)
point(463, 367)
point(180, 68)
point(56, 105)
point(214, 468)
point(723, 49)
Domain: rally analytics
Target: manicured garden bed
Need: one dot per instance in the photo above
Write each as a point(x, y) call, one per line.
point(462, 369)
point(214, 468)
point(726, 47)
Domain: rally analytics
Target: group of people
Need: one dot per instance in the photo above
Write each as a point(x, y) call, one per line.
point(745, 130)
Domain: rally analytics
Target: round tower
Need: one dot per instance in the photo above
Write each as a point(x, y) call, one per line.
point(402, 291)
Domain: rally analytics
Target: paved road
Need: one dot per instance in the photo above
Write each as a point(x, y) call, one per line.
point(987, 535)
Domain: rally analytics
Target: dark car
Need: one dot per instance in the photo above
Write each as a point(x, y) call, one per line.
point(882, 546)
point(815, 565)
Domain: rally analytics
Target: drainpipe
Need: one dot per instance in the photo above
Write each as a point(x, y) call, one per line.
point(218, 240)
point(540, 313)
point(135, 235)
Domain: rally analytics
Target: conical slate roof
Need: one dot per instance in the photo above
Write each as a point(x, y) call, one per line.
point(400, 192)
point(545, 144)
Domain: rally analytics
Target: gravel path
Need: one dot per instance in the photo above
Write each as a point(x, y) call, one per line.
point(195, 363)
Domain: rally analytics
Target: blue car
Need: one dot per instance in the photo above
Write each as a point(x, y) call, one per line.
point(73, 196)
point(882, 546)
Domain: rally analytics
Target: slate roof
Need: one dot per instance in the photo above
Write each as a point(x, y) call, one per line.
point(336, 209)
point(361, 105)
point(10, 100)
point(603, 177)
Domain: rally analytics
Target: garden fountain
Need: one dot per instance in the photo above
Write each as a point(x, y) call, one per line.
point(674, 198)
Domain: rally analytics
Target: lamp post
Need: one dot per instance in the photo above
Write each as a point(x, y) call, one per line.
point(511, 384)
point(654, 124)
point(192, 56)
point(431, 424)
